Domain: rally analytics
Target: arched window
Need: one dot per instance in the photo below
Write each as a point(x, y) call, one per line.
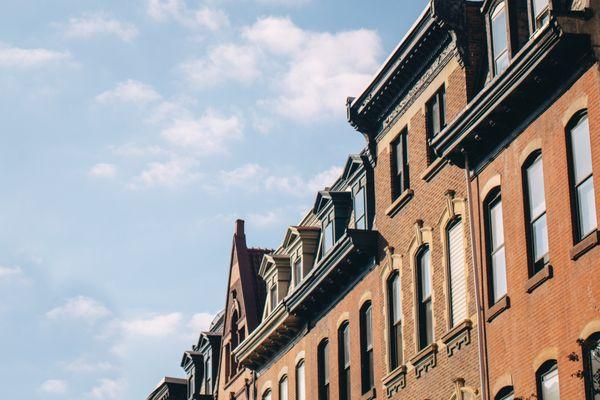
point(547, 381)
point(582, 179)
point(496, 258)
point(425, 311)
point(395, 320)
point(300, 381)
point(234, 342)
point(499, 24)
point(283, 388)
point(506, 393)
point(267, 395)
point(535, 213)
point(323, 369)
point(344, 360)
point(457, 279)
point(366, 347)
point(591, 366)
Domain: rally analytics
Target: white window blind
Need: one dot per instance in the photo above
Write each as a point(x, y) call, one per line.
point(458, 280)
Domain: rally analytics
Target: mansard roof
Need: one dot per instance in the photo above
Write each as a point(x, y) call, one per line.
point(169, 389)
point(294, 232)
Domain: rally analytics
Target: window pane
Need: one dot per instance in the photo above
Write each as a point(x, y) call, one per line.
point(434, 116)
point(396, 300)
point(300, 388)
point(425, 276)
point(359, 209)
point(499, 35)
point(497, 226)
point(267, 396)
point(550, 385)
point(539, 6)
point(368, 328)
point(429, 323)
point(283, 389)
point(298, 271)
point(397, 337)
point(535, 186)
point(328, 236)
point(593, 370)
point(540, 238)
point(586, 203)
point(498, 274)
point(581, 148)
point(457, 284)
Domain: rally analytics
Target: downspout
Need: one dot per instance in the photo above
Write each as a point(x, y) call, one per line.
point(479, 304)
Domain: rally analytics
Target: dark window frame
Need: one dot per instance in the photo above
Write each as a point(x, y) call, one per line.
point(504, 393)
point(591, 378)
point(457, 220)
point(540, 19)
point(492, 50)
point(280, 385)
point(400, 167)
point(344, 361)
point(436, 118)
point(395, 327)
point(534, 266)
point(323, 370)
point(576, 218)
point(543, 370)
point(424, 304)
point(356, 191)
point(493, 199)
point(366, 347)
point(300, 364)
point(329, 220)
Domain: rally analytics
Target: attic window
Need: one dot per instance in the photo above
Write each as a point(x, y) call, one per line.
point(328, 238)
point(541, 13)
point(273, 297)
point(360, 213)
point(297, 270)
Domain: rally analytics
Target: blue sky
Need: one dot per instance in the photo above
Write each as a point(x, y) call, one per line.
point(133, 134)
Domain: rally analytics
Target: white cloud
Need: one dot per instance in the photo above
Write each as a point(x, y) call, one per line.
point(177, 10)
point(200, 322)
point(130, 91)
point(278, 35)
point(132, 150)
point(171, 174)
point(107, 389)
point(7, 273)
point(80, 307)
point(249, 175)
point(154, 326)
point(98, 24)
point(21, 57)
point(210, 134)
point(81, 365)
point(267, 219)
point(103, 170)
point(323, 179)
point(54, 387)
point(223, 63)
point(284, 2)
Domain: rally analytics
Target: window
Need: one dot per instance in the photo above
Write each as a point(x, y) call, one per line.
point(537, 231)
point(273, 297)
point(399, 161)
point(360, 213)
point(267, 395)
point(436, 118)
point(190, 385)
point(500, 38)
point(298, 271)
point(582, 180)
point(456, 272)
point(425, 311)
point(547, 381)
point(328, 238)
point(228, 360)
point(495, 247)
point(207, 375)
point(395, 316)
point(366, 348)
point(591, 368)
point(234, 343)
point(283, 388)
point(541, 13)
point(300, 382)
point(323, 369)
point(344, 360)
point(506, 393)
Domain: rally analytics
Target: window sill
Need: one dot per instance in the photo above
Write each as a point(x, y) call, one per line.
point(370, 395)
point(400, 202)
point(433, 169)
point(458, 337)
point(539, 278)
point(395, 381)
point(501, 305)
point(585, 245)
point(425, 360)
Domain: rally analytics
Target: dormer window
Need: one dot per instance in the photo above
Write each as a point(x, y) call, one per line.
point(273, 297)
point(297, 271)
point(328, 238)
point(499, 24)
point(360, 211)
point(541, 13)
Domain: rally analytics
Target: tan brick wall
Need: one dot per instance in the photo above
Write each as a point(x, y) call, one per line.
point(550, 319)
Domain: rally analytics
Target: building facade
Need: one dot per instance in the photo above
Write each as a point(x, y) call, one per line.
point(455, 257)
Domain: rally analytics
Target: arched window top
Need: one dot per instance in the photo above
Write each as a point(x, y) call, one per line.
point(506, 393)
point(365, 305)
point(499, 7)
point(547, 380)
point(267, 395)
point(577, 118)
point(532, 158)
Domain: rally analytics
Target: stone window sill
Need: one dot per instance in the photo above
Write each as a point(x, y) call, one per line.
point(585, 245)
point(395, 381)
point(400, 202)
point(370, 395)
point(425, 360)
point(433, 169)
point(501, 305)
point(458, 337)
point(539, 278)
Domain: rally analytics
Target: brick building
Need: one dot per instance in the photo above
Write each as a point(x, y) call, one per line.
point(446, 262)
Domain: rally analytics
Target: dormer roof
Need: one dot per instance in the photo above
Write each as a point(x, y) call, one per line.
point(325, 197)
point(295, 232)
point(277, 260)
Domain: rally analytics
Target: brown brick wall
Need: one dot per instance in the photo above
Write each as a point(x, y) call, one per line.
point(548, 321)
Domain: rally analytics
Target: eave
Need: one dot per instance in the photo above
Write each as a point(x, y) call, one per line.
point(502, 106)
point(349, 254)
